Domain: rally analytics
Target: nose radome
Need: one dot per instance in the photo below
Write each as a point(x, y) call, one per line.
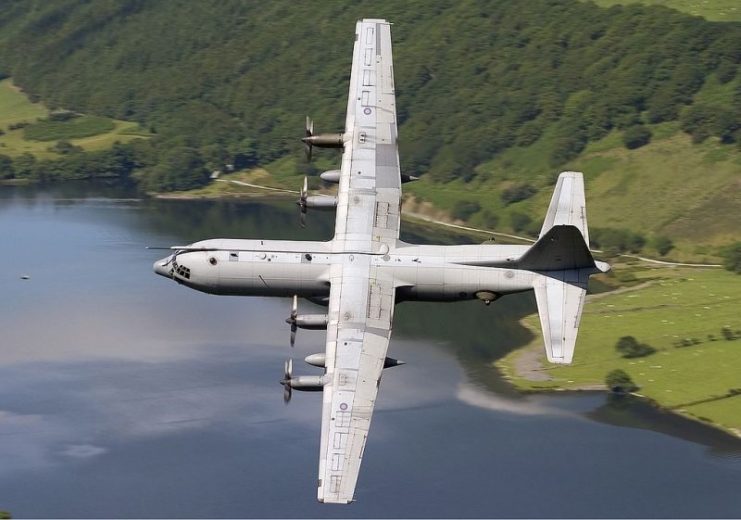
point(162, 268)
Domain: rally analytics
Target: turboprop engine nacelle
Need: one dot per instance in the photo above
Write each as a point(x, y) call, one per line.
point(307, 383)
point(311, 139)
point(319, 360)
point(312, 321)
point(321, 202)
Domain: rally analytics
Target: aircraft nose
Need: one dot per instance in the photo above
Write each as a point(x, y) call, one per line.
point(162, 267)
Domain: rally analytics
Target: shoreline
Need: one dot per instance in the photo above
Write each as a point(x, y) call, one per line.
point(534, 371)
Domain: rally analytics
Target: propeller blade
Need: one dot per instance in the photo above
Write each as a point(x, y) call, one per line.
point(308, 132)
point(303, 193)
point(286, 382)
point(292, 319)
point(309, 129)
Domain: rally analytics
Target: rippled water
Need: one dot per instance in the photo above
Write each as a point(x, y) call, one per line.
point(125, 395)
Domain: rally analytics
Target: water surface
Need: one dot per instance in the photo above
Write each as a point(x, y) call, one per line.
point(125, 395)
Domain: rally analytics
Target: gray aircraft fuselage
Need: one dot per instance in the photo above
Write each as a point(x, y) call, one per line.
point(287, 268)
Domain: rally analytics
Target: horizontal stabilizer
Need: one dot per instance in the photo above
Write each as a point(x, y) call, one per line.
point(562, 247)
point(560, 297)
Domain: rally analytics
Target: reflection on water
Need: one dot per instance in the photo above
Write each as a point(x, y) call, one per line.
point(636, 413)
point(122, 395)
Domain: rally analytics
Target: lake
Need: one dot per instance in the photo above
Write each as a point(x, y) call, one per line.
point(123, 394)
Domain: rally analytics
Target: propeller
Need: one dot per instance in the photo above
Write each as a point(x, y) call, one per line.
point(291, 320)
point(286, 381)
point(302, 206)
point(308, 132)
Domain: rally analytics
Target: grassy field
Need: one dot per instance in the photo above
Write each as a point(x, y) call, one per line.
point(79, 127)
point(89, 132)
point(667, 307)
point(715, 10)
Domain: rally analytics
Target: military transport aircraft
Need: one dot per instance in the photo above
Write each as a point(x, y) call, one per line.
point(365, 269)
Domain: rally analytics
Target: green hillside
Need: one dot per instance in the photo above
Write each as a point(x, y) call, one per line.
point(494, 97)
point(25, 128)
point(716, 10)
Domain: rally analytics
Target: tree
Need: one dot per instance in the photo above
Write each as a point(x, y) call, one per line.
point(6, 167)
point(636, 136)
point(518, 192)
point(24, 165)
point(662, 244)
point(180, 169)
point(619, 381)
point(629, 347)
point(732, 258)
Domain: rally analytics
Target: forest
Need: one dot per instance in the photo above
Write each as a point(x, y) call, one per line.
point(229, 82)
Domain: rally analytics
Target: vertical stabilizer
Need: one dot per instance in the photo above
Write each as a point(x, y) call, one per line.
point(568, 207)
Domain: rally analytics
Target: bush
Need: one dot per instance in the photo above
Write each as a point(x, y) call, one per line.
point(629, 347)
point(727, 333)
point(64, 147)
point(463, 209)
point(732, 258)
point(63, 115)
point(517, 193)
point(619, 381)
point(520, 221)
point(662, 244)
point(636, 136)
point(617, 240)
point(489, 219)
point(18, 125)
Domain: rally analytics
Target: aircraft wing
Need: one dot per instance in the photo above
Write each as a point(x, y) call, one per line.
point(369, 196)
point(361, 307)
point(361, 302)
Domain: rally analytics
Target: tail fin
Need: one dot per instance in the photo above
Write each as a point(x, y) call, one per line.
point(567, 207)
point(561, 257)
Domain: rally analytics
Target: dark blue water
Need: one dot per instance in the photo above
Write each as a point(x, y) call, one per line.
point(125, 395)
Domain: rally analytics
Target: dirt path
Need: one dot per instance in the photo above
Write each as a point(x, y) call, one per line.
point(528, 366)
